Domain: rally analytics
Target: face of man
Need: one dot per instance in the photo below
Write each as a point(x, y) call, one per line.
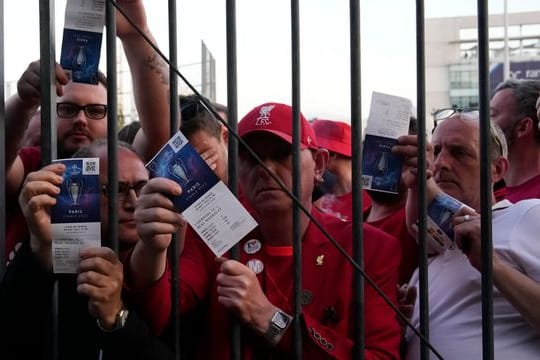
point(262, 192)
point(131, 173)
point(457, 159)
point(203, 142)
point(79, 131)
point(503, 109)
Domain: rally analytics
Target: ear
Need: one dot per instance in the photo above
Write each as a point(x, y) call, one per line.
point(525, 127)
point(321, 159)
point(499, 167)
point(224, 134)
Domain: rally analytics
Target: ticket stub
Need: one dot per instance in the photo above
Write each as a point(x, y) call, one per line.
point(206, 202)
point(75, 219)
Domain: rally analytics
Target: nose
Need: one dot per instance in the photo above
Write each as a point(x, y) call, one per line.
point(441, 161)
point(129, 200)
point(80, 118)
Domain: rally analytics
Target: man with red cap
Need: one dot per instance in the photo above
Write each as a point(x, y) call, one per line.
point(257, 289)
point(335, 137)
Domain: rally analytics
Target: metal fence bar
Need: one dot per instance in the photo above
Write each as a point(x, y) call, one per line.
point(2, 149)
point(48, 80)
point(48, 126)
point(485, 181)
point(356, 127)
point(175, 248)
point(112, 143)
point(232, 105)
point(422, 199)
point(297, 238)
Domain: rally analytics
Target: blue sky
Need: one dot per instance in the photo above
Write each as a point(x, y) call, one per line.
point(388, 45)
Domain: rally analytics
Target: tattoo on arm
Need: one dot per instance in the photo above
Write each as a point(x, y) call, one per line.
point(157, 65)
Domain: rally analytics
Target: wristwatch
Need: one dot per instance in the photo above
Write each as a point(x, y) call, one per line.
point(119, 323)
point(279, 323)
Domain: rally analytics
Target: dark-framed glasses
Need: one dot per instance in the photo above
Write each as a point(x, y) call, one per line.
point(443, 114)
point(124, 189)
point(92, 111)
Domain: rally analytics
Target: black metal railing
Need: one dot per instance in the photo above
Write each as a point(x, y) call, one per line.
point(48, 144)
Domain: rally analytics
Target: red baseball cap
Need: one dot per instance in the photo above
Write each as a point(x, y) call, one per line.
point(334, 136)
point(276, 119)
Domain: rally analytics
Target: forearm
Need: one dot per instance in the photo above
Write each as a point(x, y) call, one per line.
point(18, 115)
point(150, 77)
point(411, 206)
point(147, 265)
point(520, 290)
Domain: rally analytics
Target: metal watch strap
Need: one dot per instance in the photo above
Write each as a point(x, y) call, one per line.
point(274, 328)
point(119, 323)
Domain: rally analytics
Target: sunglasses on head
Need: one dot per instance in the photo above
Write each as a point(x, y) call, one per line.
point(443, 114)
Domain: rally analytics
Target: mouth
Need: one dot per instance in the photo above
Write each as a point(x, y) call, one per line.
point(129, 222)
point(79, 135)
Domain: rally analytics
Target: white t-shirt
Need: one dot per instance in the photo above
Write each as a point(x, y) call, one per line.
point(455, 302)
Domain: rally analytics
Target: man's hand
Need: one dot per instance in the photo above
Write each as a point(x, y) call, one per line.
point(155, 214)
point(407, 147)
point(101, 278)
point(468, 236)
point(37, 196)
point(210, 156)
point(239, 291)
point(406, 298)
point(28, 86)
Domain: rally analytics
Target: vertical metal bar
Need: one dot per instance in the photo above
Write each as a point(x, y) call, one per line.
point(297, 237)
point(2, 149)
point(422, 200)
point(48, 125)
point(48, 81)
point(112, 143)
point(175, 248)
point(485, 181)
point(232, 104)
point(356, 127)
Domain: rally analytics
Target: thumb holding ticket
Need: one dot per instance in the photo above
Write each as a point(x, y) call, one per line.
point(37, 196)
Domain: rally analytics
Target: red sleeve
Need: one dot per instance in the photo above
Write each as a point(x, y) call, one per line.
point(196, 268)
point(153, 303)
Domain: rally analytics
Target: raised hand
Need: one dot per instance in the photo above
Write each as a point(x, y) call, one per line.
point(101, 278)
point(37, 196)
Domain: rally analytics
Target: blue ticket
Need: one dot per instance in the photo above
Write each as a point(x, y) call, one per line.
point(206, 202)
point(75, 219)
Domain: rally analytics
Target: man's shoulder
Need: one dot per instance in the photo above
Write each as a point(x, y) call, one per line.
point(31, 158)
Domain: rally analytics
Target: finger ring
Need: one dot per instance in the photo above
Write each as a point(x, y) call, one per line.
point(467, 217)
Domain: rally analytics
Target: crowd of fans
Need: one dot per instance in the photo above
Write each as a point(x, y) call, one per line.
point(119, 305)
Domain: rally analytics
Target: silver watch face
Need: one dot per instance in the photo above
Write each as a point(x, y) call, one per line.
point(281, 320)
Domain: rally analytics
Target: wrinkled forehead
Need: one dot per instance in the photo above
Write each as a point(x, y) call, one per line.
point(130, 166)
point(456, 129)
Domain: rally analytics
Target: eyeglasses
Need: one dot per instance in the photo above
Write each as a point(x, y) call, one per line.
point(70, 110)
point(124, 189)
point(443, 114)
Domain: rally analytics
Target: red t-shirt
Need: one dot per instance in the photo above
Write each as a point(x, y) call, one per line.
point(530, 189)
point(16, 227)
point(341, 206)
point(395, 225)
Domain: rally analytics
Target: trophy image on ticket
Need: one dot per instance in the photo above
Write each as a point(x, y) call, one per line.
point(79, 60)
point(178, 170)
point(74, 188)
point(381, 167)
